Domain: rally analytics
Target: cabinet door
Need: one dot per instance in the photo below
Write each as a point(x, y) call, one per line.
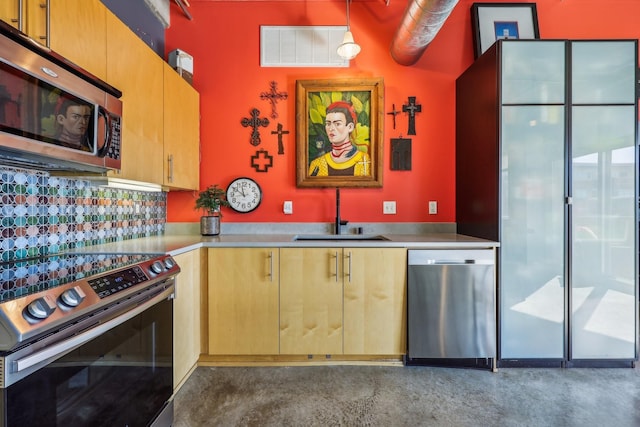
point(311, 301)
point(181, 132)
point(28, 16)
point(533, 72)
point(532, 232)
point(186, 315)
point(243, 301)
point(78, 31)
point(604, 252)
point(136, 70)
point(34, 20)
point(375, 301)
point(9, 12)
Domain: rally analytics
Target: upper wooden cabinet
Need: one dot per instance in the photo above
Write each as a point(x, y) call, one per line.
point(28, 16)
point(78, 31)
point(161, 111)
point(76, 28)
point(137, 71)
point(181, 132)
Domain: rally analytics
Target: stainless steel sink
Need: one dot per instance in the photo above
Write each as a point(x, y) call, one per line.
point(338, 237)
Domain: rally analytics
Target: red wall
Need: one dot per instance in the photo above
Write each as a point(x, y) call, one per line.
point(223, 39)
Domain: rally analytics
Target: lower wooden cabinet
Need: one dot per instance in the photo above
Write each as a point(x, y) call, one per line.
point(243, 301)
point(186, 315)
point(375, 301)
point(307, 301)
point(311, 301)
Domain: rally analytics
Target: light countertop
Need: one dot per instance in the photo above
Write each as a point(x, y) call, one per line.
point(177, 244)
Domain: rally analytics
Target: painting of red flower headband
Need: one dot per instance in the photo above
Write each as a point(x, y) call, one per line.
point(339, 131)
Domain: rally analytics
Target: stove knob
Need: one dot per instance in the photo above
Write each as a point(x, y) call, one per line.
point(72, 297)
point(157, 267)
point(169, 263)
point(40, 308)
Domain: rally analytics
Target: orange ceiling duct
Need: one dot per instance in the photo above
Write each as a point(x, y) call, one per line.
point(421, 22)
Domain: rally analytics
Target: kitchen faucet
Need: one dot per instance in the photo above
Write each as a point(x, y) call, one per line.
point(339, 222)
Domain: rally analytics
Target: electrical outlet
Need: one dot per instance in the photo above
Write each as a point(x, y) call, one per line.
point(389, 208)
point(433, 207)
point(287, 207)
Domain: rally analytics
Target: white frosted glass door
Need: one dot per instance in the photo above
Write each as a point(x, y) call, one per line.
point(603, 254)
point(533, 72)
point(532, 245)
point(603, 72)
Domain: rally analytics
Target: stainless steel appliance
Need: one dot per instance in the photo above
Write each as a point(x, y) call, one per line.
point(451, 308)
point(87, 340)
point(53, 114)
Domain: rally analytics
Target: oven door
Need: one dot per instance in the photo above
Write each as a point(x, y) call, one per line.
point(122, 377)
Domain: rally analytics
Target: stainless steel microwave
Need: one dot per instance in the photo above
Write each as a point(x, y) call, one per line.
point(53, 114)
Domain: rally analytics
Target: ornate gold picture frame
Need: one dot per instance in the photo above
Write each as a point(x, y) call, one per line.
point(357, 104)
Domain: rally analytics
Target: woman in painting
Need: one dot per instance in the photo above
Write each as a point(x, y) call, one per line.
point(344, 159)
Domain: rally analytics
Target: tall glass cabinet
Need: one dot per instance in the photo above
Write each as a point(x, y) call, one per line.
point(546, 149)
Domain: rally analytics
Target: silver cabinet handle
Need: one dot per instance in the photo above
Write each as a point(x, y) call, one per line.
point(47, 36)
point(336, 266)
point(271, 266)
point(349, 273)
point(170, 160)
point(19, 20)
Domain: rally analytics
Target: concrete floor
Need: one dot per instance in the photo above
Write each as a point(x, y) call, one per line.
point(408, 396)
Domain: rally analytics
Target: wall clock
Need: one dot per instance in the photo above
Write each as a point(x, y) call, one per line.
point(244, 195)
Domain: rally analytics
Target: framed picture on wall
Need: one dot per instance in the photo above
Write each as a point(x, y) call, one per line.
point(339, 131)
point(495, 21)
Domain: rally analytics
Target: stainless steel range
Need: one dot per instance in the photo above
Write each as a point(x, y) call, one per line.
point(87, 340)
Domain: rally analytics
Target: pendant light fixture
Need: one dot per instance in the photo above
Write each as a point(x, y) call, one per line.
point(349, 49)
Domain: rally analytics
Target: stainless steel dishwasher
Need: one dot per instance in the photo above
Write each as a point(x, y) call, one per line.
point(451, 308)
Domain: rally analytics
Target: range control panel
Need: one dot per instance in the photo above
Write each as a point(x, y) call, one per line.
point(118, 281)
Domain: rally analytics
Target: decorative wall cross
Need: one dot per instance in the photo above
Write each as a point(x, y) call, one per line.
point(274, 96)
point(255, 122)
point(394, 113)
point(280, 132)
point(261, 161)
point(412, 108)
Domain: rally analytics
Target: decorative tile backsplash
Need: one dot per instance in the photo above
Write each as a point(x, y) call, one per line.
point(42, 214)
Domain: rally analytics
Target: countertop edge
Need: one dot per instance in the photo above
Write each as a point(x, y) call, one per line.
point(179, 244)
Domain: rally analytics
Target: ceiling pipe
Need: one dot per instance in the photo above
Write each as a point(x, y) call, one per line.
point(421, 22)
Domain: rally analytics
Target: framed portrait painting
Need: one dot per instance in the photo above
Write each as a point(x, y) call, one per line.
point(496, 21)
point(339, 131)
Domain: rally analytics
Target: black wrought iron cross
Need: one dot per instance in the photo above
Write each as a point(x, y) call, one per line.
point(280, 132)
point(261, 161)
point(255, 122)
point(412, 108)
point(394, 113)
point(274, 96)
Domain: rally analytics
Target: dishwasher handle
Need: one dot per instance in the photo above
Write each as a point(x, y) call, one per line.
point(451, 257)
point(458, 261)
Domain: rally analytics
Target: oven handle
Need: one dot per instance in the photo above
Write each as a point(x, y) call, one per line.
point(63, 347)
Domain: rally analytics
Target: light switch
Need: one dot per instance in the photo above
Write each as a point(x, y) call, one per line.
point(287, 208)
point(433, 207)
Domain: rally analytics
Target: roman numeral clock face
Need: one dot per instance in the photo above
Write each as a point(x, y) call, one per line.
point(244, 195)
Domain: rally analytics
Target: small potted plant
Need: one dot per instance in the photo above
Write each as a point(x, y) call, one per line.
point(211, 200)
